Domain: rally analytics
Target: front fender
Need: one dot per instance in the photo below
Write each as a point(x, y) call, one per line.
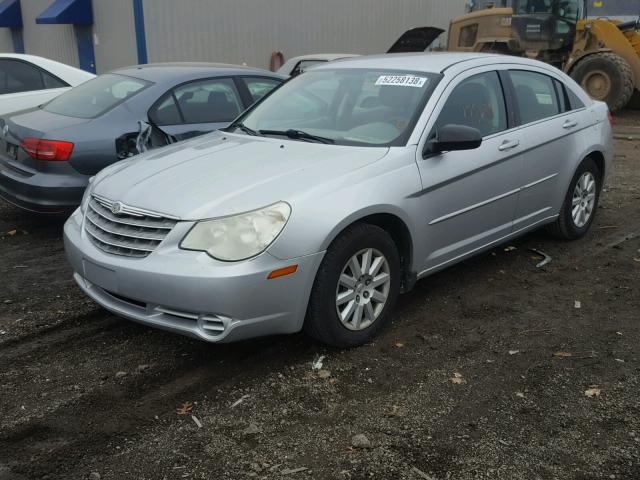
point(320, 215)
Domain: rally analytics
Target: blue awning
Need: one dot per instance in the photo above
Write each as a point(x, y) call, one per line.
point(10, 14)
point(76, 12)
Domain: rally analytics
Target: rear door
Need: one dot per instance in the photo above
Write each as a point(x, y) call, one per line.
point(198, 107)
point(469, 197)
point(548, 125)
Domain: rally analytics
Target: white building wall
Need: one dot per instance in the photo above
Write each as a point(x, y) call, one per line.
point(114, 34)
point(247, 31)
point(57, 42)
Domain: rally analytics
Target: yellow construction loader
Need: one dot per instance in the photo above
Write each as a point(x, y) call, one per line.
point(601, 54)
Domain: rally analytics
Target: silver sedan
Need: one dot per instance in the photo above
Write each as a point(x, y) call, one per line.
point(337, 192)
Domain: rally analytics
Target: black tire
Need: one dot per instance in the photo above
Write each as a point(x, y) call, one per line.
point(564, 227)
point(617, 88)
point(322, 321)
point(497, 48)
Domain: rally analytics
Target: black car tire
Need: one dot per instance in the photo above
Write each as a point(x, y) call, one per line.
point(322, 321)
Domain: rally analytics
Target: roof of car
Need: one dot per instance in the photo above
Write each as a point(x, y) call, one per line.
point(434, 62)
point(177, 71)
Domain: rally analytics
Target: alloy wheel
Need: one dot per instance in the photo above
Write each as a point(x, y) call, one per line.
point(584, 199)
point(363, 289)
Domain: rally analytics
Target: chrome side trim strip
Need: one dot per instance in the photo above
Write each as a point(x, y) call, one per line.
point(473, 207)
point(490, 200)
point(539, 181)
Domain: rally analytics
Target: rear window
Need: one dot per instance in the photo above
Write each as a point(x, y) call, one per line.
point(97, 96)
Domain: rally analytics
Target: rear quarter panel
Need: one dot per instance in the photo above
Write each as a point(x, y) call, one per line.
point(13, 102)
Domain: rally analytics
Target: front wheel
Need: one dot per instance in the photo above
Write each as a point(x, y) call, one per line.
point(356, 287)
point(580, 203)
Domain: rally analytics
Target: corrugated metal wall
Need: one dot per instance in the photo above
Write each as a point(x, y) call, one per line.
point(237, 31)
point(114, 31)
point(57, 42)
point(233, 31)
point(6, 44)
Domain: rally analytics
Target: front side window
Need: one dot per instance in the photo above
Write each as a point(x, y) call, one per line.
point(574, 101)
point(477, 102)
point(535, 95)
point(347, 106)
point(97, 96)
point(208, 101)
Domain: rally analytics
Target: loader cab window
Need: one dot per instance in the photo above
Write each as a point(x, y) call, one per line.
point(525, 7)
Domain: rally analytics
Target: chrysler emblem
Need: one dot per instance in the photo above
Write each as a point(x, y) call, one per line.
point(116, 208)
point(5, 131)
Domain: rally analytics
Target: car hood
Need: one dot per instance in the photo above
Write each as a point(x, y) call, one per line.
point(223, 174)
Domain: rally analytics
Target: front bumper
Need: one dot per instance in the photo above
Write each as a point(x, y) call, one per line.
point(43, 192)
point(190, 293)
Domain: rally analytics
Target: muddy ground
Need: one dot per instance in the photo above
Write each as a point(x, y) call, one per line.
point(85, 394)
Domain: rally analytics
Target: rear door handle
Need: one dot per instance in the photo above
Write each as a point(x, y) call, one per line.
point(508, 145)
point(570, 124)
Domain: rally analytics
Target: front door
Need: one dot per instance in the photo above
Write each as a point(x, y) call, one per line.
point(469, 197)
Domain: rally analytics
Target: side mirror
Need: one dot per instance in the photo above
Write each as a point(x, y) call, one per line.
point(453, 137)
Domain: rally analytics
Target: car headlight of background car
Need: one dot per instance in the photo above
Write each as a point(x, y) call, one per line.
point(238, 237)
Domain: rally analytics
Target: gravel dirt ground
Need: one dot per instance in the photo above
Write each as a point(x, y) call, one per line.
point(481, 375)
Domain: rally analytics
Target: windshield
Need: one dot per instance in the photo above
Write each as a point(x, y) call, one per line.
point(344, 106)
point(97, 96)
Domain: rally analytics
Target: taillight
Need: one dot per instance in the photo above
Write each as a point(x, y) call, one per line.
point(48, 150)
point(610, 118)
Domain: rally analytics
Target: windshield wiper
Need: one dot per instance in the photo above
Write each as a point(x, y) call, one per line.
point(297, 135)
point(247, 130)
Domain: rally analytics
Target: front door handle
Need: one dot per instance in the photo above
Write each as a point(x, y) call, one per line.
point(508, 145)
point(570, 124)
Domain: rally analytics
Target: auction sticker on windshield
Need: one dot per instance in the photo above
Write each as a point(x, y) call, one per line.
point(401, 81)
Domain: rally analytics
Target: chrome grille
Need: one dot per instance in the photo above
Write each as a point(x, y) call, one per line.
point(132, 232)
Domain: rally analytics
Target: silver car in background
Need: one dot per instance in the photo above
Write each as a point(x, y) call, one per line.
point(337, 192)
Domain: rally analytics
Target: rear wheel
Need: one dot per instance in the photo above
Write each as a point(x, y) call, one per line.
point(580, 203)
point(356, 287)
point(606, 77)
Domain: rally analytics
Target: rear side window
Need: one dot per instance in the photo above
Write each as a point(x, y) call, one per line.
point(97, 96)
point(17, 76)
point(535, 95)
point(574, 101)
point(260, 86)
point(476, 102)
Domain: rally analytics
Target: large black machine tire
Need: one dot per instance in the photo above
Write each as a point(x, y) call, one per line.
point(607, 77)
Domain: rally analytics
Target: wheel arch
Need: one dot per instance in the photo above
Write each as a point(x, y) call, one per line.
point(599, 158)
point(391, 221)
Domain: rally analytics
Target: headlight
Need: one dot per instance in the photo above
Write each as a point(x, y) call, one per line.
point(238, 237)
point(86, 196)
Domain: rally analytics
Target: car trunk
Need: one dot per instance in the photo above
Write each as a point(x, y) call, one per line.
point(37, 124)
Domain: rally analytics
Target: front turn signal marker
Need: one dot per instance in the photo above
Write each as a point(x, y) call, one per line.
point(281, 272)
